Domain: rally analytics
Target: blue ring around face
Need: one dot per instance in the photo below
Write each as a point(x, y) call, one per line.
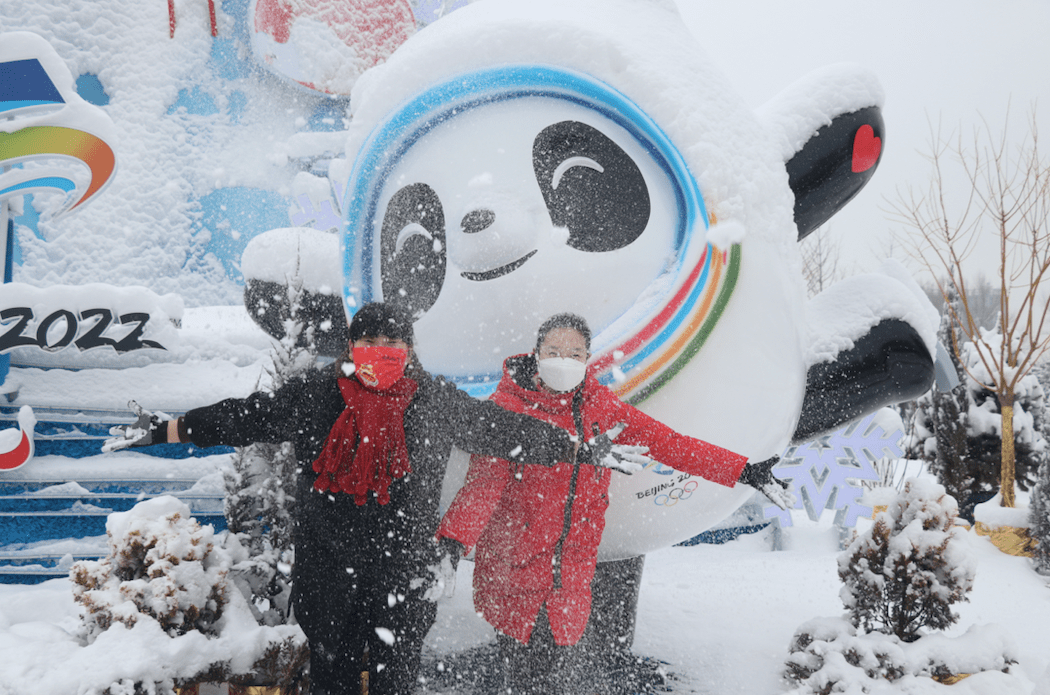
point(389, 140)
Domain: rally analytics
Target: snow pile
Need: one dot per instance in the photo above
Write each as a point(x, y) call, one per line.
point(829, 655)
point(299, 252)
point(847, 310)
point(813, 101)
point(994, 515)
point(163, 587)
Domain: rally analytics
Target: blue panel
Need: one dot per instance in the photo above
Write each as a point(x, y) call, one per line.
point(90, 90)
point(234, 216)
point(226, 63)
point(196, 102)
point(328, 116)
point(238, 102)
point(26, 83)
point(722, 535)
point(82, 448)
point(35, 528)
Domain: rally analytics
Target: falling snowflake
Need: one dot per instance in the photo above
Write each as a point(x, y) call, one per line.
point(826, 473)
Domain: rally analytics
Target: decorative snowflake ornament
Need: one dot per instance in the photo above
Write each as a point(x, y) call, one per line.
point(826, 472)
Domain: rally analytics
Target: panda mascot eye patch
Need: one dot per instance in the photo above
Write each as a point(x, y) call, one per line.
point(413, 248)
point(591, 186)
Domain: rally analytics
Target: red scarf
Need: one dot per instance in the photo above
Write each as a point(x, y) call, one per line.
point(366, 449)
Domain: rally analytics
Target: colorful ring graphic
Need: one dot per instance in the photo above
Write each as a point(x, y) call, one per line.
point(44, 142)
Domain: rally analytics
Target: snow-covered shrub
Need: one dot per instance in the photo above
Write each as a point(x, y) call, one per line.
point(829, 655)
point(901, 576)
point(1039, 502)
point(1039, 519)
point(259, 501)
point(161, 564)
point(830, 646)
point(906, 571)
point(165, 583)
point(260, 484)
point(959, 433)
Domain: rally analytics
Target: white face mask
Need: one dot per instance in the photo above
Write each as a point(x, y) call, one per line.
point(561, 373)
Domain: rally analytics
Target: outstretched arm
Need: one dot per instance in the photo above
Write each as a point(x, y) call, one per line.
point(691, 455)
point(679, 451)
point(483, 427)
point(261, 417)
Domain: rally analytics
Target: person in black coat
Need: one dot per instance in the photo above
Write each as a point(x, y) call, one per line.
point(372, 436)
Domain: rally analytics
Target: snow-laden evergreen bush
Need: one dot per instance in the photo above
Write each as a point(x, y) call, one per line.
point(260, 486)
point(905, 572)
point(161, 564)
point(1039, 503)
point(959, 433)
point(1039, 519)
point(829, 655)
point(900, 579)
point(165, 583)
point(948, 417)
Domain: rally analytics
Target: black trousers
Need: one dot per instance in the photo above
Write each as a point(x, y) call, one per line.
point(385, 642)
point(356, 617)
point(541, 666)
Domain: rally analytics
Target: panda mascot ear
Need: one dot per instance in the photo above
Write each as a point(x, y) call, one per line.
point(834, 165)
point(831, 137)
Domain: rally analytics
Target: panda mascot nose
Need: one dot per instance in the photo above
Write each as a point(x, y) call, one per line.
point(496, 234)
point(477, 220)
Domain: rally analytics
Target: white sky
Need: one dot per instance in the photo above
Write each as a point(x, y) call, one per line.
point(951, 61)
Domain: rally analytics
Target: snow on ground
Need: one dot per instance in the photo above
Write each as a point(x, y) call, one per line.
point(721, 616)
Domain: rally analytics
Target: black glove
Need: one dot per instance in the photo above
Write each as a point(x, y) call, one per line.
point(148, 429)
point(451, 547)
point(760, 476)
point(601, 451)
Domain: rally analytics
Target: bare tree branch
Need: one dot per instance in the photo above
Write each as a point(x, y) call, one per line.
point(1006, 192)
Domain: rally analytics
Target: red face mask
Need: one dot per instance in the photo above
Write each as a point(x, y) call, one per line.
point(379, 367)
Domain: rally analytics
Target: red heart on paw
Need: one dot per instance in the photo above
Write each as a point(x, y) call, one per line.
point(866, 149)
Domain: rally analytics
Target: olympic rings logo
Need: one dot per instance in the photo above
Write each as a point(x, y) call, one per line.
point(679, 493)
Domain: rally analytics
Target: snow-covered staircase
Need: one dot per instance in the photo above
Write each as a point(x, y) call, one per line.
point(53, 510)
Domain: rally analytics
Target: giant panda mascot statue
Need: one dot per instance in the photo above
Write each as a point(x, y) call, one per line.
point(519, 159)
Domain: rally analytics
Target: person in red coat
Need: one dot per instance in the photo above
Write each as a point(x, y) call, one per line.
point(536, 529)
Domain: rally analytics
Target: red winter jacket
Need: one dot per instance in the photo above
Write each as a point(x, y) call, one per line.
point(537, 532)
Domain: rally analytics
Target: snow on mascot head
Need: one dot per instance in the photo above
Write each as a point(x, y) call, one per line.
point(516, 160)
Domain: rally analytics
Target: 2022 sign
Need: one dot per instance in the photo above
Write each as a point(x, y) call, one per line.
point(91, 328)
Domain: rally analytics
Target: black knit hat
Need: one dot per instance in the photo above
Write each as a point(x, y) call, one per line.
point(378, 319)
